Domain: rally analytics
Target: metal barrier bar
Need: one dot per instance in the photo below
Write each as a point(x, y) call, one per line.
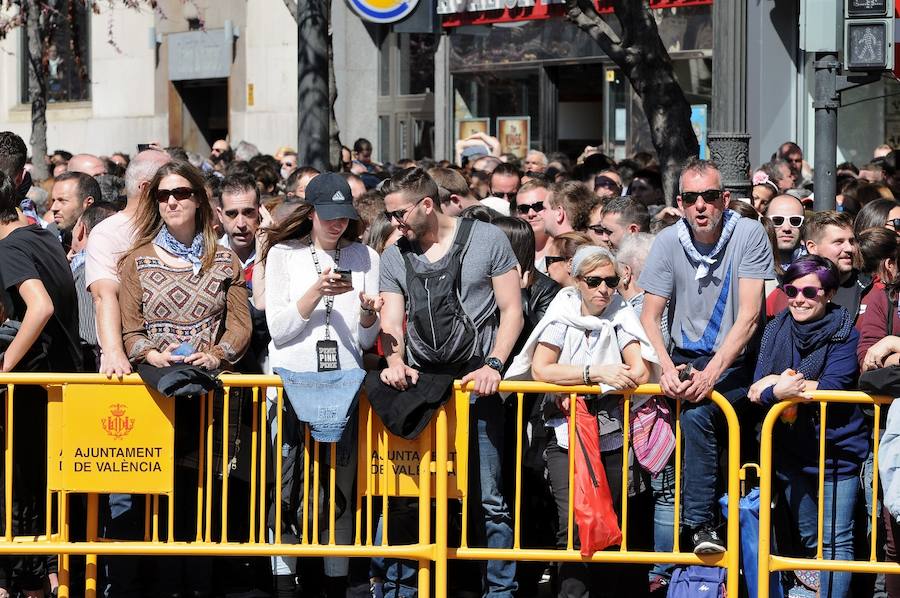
point(730, 560)
point(767, 561)
point(434, 458)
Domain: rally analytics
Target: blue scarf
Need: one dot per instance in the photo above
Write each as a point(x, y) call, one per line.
point(191, 254)
point(705, 263)
point(786, 341)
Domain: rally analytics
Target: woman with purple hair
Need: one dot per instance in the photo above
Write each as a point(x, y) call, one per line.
point(812, 346)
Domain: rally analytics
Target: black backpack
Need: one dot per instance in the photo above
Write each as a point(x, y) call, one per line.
point(438, 329)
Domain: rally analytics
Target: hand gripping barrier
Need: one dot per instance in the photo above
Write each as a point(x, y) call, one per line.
point(117, 437)
point(769, 562)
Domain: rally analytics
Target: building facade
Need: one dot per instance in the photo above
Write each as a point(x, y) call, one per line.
point(190, 73)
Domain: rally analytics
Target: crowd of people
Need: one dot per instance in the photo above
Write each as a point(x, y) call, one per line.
point(400, 278)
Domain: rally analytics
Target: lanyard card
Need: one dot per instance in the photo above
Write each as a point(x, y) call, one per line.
point(327, 355)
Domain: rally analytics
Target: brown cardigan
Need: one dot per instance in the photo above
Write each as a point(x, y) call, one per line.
point(162, 305)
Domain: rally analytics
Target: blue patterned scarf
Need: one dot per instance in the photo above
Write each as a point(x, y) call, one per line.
point(784, 338)
point(191, 254)
point(705, 263)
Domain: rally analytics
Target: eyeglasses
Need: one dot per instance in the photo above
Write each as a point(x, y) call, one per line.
point(510, 196)
point(549, 260)
point(400, 215)
point(689, 198)
point(179, 193)
point(600, 229)
point(893, 223)
point(794, 221)
point(524, 208)
point(605, 182)
point(594, 281)
point(809, 292)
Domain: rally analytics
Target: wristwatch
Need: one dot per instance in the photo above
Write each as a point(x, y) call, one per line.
point(494, 363)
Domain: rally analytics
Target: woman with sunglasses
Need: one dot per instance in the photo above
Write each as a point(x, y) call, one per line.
point(322, 315)
point(183, 300)
point(812, 346)
point(590, 335)
point(880, 212)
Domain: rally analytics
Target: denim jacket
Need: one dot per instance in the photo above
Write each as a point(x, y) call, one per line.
point(324, 400)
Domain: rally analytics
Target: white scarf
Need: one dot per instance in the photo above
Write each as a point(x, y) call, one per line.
point(566, 308)
point(705, 263)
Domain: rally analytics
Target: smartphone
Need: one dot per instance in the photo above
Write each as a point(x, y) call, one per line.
point(345, 275)
point(685, 374)
point(143, 147)
point(184, 350)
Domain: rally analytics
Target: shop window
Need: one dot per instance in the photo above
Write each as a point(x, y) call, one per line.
point(66, 58)
point(499, 94)
point(406, 64)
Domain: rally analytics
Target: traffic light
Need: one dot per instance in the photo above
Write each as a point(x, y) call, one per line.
point(868, 35)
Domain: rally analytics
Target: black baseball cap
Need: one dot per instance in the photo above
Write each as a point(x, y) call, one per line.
point(330, 196)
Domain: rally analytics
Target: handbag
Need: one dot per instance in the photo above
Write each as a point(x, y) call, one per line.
point(598, 526)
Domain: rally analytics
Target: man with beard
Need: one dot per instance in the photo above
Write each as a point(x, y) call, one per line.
point(72, 194)
point(488, 286)
point(709, 270)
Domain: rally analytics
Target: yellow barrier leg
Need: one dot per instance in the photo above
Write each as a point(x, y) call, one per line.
point(63, 575)
point(440, 525)
point(90, 560)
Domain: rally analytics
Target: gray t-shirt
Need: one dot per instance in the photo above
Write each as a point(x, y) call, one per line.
point(703, 311)
point(488, 254)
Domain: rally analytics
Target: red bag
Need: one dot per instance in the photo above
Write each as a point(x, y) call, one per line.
point(598, 526)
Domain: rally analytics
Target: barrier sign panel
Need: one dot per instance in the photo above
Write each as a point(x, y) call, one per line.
point(114, 439)
point(397, 462)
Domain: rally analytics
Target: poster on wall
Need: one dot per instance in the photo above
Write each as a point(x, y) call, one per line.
point(467, 127)
point(698, 120)
point(514, 133)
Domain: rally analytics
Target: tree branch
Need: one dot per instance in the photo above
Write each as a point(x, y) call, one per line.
point(292, 8)
point(583, 14)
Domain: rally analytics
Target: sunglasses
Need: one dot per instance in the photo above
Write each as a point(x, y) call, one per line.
point(794, 221)
point(549, 260)
point(600, 229)
point(893, 223)
point(809, 292)
point(594, 281)
point(400, 215)
point(524, 208)
point(605, 182)
point(689, 198)
point(179, 193)
point(511, 196)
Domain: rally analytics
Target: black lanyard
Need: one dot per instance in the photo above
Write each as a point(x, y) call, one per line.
point(329, 300)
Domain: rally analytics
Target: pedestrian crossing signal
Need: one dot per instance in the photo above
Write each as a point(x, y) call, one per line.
point(869, 35)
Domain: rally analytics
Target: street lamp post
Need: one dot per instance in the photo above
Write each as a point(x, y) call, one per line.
point(729, 142)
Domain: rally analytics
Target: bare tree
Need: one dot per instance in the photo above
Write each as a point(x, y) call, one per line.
point(640, 54)
point(42, 21)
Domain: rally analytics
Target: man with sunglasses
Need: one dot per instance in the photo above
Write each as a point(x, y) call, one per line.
point(505, 182)
point(489, 295)
point(620, 217)
point(530, 204)
point(786, 214)
point(709, 270)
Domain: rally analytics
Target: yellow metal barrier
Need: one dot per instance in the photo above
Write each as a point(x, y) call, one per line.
point(769, 562)
point(113, 436)
point(730, 559)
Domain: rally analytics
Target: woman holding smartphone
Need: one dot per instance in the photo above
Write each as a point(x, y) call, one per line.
point(322, 308)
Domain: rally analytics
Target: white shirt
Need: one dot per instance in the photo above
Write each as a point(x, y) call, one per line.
point(290, 272)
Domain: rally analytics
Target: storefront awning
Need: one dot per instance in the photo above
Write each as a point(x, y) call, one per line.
point(456, 13)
